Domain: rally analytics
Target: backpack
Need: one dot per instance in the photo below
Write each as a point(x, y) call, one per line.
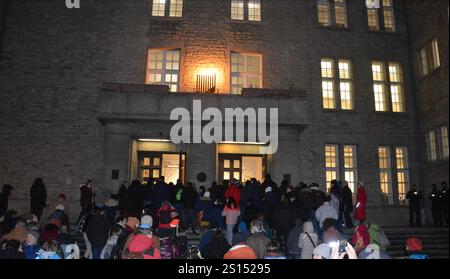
point(178, 195)
point(378, 237)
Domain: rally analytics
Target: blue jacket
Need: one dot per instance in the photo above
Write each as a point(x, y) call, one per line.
point(31, 251)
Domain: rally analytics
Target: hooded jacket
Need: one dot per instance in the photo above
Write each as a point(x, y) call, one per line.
point(324, 212)
point(305, 243)
point(97, 230)
point(258, 242)
point(235, 192)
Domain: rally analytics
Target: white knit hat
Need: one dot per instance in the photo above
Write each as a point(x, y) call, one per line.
point(268, 189)
point(60, 207)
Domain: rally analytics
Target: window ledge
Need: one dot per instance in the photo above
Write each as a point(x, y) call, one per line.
point(166, 18)
point(382, 32)
point(390, 113)
point(334, 28)
point(245, 21)
point(346, 111)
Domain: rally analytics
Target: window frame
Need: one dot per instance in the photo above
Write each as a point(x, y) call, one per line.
point(388, 84)
point(403, 170)
point(168, 6)
point(245, 75)
point(331, 7)
point(164, 71)
point(336, 168)
point(337, 81)
point(388, 197)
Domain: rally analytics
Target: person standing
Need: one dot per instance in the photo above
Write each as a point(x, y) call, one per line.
point(4, 198)
point(435, 198)
point(86, 198)
point(361, 201)
point(444, 203)
point(97, 231)
point(347, 205)
point(415, 198)
point(189, 198)
point(38, 195)
point(231, 212)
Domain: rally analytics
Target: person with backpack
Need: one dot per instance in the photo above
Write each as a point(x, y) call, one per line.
point(308, 241)
point(378, 237)
point(294, 251)
point(142, 247)
point(414, 249)
point(97, 231)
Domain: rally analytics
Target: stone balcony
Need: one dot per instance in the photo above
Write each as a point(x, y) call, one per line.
point(133, 102)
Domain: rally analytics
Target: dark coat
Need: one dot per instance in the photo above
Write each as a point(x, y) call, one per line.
point(161, 192)
point(251, 191)
point(347, 199)
point(38, 195)
point(86, 197)
point(284, 216)
point(97, 230)
point(216, 248)
point(189, 197)
point(4, 197)
point(415, 198)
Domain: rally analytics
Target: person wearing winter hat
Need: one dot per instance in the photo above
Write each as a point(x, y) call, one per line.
point(321, 252)
point(49, 251)
point(31, 247)
point(242, 234)
point(308, 240)
point(240, 252)
point(49, 210)
point(414, 248)
point(146, 222)
point(142, 247)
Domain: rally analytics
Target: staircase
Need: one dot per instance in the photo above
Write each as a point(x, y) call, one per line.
point(435, 241)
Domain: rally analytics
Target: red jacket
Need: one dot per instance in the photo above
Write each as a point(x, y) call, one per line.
point(235, 192)
point(361, 201)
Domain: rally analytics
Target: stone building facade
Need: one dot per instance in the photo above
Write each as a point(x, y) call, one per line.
point(74, 104)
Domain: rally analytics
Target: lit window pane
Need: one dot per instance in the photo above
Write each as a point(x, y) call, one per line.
point(331, 156)
point(346, 96)
point(226, 164)
point(236, 164)
point(388, 13)
point(380, 97)
point(328, 95)
point(323, 8)
point(372, 15)
point(444, 139)
point(423, 62)
point(345, 69)
point(226, 175)
point(378, 71)
point(340, 13)
point(395, 73)
point(431, 146)
point(145, 174)
point(254, 10)
point(237, 175)
point(246, 72)
point(159, 7)
point(237, 9)
point(156, 174)
point(164, 68)
point(327, 68)
point(176, 8)
point(436, 58)
point(156, 162)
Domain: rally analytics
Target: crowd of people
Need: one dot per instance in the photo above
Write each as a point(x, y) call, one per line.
point(253, 220)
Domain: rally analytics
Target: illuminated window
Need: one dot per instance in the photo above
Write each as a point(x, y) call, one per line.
point(435, 50)
point(237, 9)
point(401, 154)
point(350, 166)
point(159, 8)
point(331, 163)
point(431, 146)
point(379, 86)
point(396, 79)
point(385, 167)
point(176, 8)
point(444, 142)
point(396, 88)
point(428, 58)
point(254, 10)
point(388, 13)
point(372, 16)
point(164, 68)
point(346, 84)
point(323, 9)
point(423, 62)
point(246, 71)
point(327, 68)
point(340, 12)
point(343, 80)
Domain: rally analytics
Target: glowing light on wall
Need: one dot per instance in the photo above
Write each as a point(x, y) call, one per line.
point(208, 79)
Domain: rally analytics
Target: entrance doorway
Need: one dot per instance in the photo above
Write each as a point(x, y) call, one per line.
point(156, 164)
point(241, 167)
